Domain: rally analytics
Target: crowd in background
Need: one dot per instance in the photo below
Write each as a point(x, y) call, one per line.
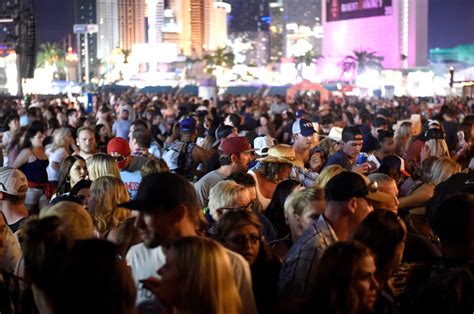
point(243, 204)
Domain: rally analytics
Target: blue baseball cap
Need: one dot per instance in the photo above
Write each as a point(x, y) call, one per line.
point(304, 127)
point(187, 124)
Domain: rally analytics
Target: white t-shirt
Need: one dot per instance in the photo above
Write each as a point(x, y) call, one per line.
point(57, 156)
point(145, 263)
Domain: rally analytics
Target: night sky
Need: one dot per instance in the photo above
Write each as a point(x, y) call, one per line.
point(451, 22)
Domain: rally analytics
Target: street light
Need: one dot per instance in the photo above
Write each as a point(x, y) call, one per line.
point(451, 77)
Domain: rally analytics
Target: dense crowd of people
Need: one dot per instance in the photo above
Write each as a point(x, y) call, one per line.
point(244, 204)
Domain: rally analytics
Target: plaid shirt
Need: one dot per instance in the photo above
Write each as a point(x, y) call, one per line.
point(303, 176)
point(299, 267)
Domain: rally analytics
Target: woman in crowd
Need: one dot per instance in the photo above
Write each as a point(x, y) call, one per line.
point(266, 126)
point(345, 281)
point(94, 279)
point(273, 169)
point(106, 194)
point(57, 152)
point(275, 211)
point(441, 170)
point(403, 138)
point(385, 234)
point(13, 148)
point(11, 125)
point(72, 170)
point(32, 161)
point(100, 165)
point(436, 143)
point(102, 136)
point(302, 207)
point(154, 166)
point(327, 174)
point(241, 232)
point(197, 279)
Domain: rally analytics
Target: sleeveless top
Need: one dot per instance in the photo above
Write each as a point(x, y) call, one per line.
point(36, 171)
point(263, 200)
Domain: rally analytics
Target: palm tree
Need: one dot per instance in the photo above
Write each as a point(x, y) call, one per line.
point(307, 59)
point(126, 54)
point(51, 55)
point(361, 60)
point(222, 56)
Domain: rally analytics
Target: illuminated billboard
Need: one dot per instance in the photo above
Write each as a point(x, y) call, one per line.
point(338, 10)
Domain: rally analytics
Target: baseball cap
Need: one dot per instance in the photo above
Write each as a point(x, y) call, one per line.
point(222, 132)
point(435, 134)
point(187, 124)
point(351, 133)
point(300, 113)
point(165, 190)
point(235, 145)
point(262, 144)
point(393, 162)
point(304, 127)
point(118, 145)
point(347, 185)
point(13, 181)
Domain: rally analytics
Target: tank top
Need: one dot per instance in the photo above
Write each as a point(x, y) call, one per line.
point(36, 171)
point(263, 200)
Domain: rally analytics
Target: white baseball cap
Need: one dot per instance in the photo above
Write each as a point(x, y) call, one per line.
point(13, 181)
point(262, 144)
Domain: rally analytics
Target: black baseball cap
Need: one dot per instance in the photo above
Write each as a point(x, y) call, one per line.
point(351, 133)
point(162, 191)
point(347, 185)
point(221, 133)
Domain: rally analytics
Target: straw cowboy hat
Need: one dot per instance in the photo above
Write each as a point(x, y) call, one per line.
point(282, 153)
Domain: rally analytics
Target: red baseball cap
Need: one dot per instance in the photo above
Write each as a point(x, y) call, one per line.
point(235, 145)
point(118, 145)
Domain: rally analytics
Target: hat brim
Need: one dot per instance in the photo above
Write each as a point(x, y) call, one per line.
point(216, 143)
point(405, 173)
point(273, 159)
point(380, 197)
point(308, 132)
point(137, 205)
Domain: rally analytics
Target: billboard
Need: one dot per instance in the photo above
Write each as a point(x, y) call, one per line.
point(338, 10)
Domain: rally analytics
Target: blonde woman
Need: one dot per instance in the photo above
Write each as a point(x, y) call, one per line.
point(106, 194)
point(196, 279)
point(100, 165)
point(57, 152)
point(327, 174)
point(301, 207)
point(403, 138)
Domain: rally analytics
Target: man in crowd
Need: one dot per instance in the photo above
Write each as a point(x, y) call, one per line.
point(13, 187)
point(121, 127)
point(168, 210)
point(86, 142)
point(235, 156)
point(72, 121)
point(304, 140)
point(140, 142)
point(129, 165)
point(348, 203)
point(184, 156)
point(347, 156)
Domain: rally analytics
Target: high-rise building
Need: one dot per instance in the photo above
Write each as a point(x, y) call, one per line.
point(155, 16)
point(277, 30)
point(249, 16)
point(201, 25)
point(394, 29)
point(85, 12)
point(303, 12)
point(131, 23)
point(108, 27)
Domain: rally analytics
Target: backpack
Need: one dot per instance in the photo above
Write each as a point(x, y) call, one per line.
point(178, 157)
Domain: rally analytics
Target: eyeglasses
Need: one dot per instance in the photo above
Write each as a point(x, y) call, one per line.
point(242, 239)
point(247, 207)
point(119, 158)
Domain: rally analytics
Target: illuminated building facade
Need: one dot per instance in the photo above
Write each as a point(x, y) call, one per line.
point(131, 23)
point(394, 29)
point(85, 12)
point(108, 27)
point(155, 20)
